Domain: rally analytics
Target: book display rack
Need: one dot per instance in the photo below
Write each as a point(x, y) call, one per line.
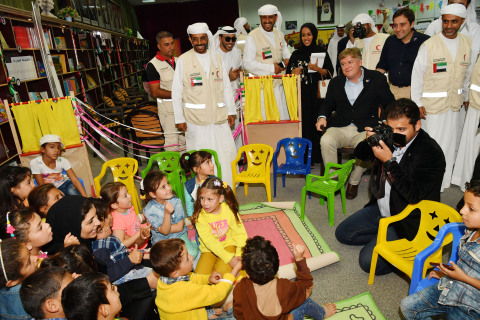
point(89, 61)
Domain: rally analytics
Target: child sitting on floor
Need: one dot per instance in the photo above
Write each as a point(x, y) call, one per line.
point(122, 266)
point(16, 264)
point(263, 296)
point(49, 167)
point(220, 229)
point(458, 292)
point(41, 198)
point(164, 211)
point(126, 225)
point(201, 163)
point(41, 292)
point(182, 294)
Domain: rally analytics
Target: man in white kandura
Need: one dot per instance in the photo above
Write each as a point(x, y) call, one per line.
point(224, 40)
point(369, 41)
point(439, 83)
point(338, 35)
point(203, 99)
point(243, 28)
point(265, 48)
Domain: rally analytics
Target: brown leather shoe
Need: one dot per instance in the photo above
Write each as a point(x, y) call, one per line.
point(351, 192)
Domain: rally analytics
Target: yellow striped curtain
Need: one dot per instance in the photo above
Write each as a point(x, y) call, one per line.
point(253, 112)
point(269, 101)
point(291, 95)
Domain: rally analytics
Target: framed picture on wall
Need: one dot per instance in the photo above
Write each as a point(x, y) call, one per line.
point(325, 12)
point(291, 25)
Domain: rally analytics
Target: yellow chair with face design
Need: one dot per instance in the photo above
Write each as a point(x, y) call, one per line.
point(401, 253)
point(123, 170)
point(259, 159)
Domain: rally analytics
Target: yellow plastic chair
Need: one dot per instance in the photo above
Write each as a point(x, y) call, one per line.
point(259, 159)
point(123, 170)
point(401, 253)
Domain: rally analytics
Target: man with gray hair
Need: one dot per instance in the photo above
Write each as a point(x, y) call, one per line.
point(367, 39)
point(266, 53)
point(439, 83)
point(243, 28)
point(203, 100)
point(160, 71)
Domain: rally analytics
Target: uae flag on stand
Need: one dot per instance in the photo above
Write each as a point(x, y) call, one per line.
point(440, 67)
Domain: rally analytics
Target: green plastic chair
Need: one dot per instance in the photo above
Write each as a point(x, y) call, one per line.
point(327, 185)
point(168, 162)
point(217, 164)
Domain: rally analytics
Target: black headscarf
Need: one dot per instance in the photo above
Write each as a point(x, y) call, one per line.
point(313, 47)
point(65, 216)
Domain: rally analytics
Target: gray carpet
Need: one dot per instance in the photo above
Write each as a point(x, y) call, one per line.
point(344, 279)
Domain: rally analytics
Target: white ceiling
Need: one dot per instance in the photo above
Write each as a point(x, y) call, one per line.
point(140, 3)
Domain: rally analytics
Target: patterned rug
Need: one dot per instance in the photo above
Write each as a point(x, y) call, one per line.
point(361, 307)
point(283, 227)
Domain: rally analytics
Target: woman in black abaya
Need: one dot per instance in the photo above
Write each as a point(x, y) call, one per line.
point(300, 64)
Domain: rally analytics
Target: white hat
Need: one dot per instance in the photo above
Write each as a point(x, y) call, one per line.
point(270, 9)
point(239, 25)
point(340, 26)
point(364, 18)
point(455, 9)
point(202, 27)
point(51, 138)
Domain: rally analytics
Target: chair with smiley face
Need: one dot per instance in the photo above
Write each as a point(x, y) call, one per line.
point(295, 150)
point(401, 253)
point(123, 170)
point(259, 158)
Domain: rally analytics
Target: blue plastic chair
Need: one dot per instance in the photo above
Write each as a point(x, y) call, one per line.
point(295, 149)
point(419, 281)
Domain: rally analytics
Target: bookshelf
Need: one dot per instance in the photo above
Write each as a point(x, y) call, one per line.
point(96, 57)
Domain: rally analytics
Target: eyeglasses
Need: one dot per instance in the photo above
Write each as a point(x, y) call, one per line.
point(228, 39)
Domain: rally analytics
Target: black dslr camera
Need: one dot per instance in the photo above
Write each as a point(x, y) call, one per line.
point(359, 31)
point(382, 132)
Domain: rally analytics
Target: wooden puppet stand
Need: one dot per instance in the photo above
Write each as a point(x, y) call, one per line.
point(270, 132)
point(76, 154)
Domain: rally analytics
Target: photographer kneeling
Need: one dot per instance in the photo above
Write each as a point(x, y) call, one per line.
point(407, 171)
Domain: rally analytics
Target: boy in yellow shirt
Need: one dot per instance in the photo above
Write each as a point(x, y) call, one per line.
point(182, 294)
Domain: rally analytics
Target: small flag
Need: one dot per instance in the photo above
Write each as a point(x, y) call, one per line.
point(196, 81)
point(440, 67)
point(267, 54)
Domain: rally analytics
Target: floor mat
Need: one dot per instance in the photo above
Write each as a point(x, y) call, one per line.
point(283, 227)
point(361, 307)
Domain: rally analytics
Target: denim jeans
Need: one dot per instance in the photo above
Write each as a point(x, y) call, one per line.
point(69, 189)
point(310, 309)
point(424, 304)
point(361, 229)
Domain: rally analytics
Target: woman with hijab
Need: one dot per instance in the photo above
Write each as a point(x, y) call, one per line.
point(75, 215)
point(299, 64)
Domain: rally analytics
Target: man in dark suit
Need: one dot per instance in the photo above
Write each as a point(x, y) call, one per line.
point(411, 173)
point(357, 97)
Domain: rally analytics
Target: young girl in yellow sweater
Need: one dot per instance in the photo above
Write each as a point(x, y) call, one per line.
point(220, 229)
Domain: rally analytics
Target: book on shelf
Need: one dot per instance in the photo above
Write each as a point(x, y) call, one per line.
point(91, 82)
point(21, 36)
point(22, 67)
point(3, 41)
point(38, 95)
point(71, 64)
point(60, 42)
point(48, 37)
point(42, 73)
point(3, 113)
point(82, 39)
point(72, 84)
point(60, 63)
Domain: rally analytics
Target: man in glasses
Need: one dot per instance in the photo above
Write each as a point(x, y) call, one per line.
point(225, 40)
point(266, 53)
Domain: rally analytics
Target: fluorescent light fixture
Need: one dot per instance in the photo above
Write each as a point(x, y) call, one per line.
point(148, 1)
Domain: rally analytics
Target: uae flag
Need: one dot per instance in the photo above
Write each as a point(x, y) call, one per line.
point(440, 67)
point(196, 81)
point(267, 54)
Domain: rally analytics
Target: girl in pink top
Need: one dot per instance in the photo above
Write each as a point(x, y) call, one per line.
point(126, 225)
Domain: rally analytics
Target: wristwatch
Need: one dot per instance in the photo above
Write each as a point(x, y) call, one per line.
point(392, 159)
